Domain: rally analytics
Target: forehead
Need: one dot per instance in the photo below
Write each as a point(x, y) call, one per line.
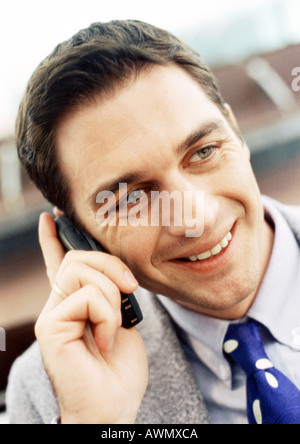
point(141, 122)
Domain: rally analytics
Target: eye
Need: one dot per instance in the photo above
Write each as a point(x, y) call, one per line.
point(204, 153)
point(131, 199)
point(134, 196)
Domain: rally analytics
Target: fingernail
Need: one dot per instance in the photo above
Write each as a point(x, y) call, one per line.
point(130, 279)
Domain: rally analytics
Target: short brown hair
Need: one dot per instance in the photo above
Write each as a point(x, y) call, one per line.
point(91, 63)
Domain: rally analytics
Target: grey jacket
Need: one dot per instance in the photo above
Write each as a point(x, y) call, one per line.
point(172, 396)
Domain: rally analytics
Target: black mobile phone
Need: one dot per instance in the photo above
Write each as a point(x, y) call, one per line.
point(74, 239)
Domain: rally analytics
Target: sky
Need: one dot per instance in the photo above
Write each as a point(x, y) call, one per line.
point(30, 29)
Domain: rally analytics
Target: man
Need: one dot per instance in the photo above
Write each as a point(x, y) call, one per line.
point(125, 102)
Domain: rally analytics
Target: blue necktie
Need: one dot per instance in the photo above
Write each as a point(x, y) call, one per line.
point(271, 397)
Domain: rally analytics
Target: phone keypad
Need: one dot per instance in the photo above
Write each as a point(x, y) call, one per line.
point(131, 312)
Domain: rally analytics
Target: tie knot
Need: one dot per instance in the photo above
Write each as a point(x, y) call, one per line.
point(243, 343)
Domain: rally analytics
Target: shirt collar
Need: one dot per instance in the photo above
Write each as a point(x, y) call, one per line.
point(277, 304)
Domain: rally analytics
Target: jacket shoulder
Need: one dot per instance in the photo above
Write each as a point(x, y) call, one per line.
point(29, 396)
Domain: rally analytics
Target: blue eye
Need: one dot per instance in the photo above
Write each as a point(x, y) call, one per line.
point(204, 153)
point(134, 196)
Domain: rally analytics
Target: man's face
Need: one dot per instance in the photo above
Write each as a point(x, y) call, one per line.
point(162, 133)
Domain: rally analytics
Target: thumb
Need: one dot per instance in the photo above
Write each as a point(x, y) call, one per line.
point(52, 249)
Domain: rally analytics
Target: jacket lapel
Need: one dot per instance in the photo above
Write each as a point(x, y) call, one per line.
point(172, 396)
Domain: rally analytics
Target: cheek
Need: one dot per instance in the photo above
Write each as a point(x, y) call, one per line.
point(133, 245)
point(241, 186)
point(236, 180)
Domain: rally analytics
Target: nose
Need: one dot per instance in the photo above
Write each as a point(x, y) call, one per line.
point(193, 211)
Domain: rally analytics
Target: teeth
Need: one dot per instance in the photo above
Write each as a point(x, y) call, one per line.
point(203, 256)
point(214, 251)
point(229, 236)
point(224, 242)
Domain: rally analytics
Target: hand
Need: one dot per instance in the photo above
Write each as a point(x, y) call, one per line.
point(98, 369)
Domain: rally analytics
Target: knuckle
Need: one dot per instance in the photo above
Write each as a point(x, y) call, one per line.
point(37, 328)
point(92, 290)
point(72, 268)
point(40, 328)
point(70, 256)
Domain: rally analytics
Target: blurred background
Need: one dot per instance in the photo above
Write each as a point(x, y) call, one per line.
point(252, 47)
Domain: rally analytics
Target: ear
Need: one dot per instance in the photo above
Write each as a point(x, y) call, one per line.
point(234, 123)
point(231, 115)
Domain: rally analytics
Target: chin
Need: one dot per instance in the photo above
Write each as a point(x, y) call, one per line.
point(226, 304)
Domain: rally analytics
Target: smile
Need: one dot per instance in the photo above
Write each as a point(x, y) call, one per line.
point(217, 249)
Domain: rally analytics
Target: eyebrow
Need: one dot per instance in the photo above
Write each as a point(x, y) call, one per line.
point(205, 130)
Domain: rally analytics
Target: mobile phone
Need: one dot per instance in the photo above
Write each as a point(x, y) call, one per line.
point(74, 239)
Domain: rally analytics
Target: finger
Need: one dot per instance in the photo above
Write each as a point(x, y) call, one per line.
point(53, 251)
point(109, 265)
point(77, 275)
point(67, 321)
